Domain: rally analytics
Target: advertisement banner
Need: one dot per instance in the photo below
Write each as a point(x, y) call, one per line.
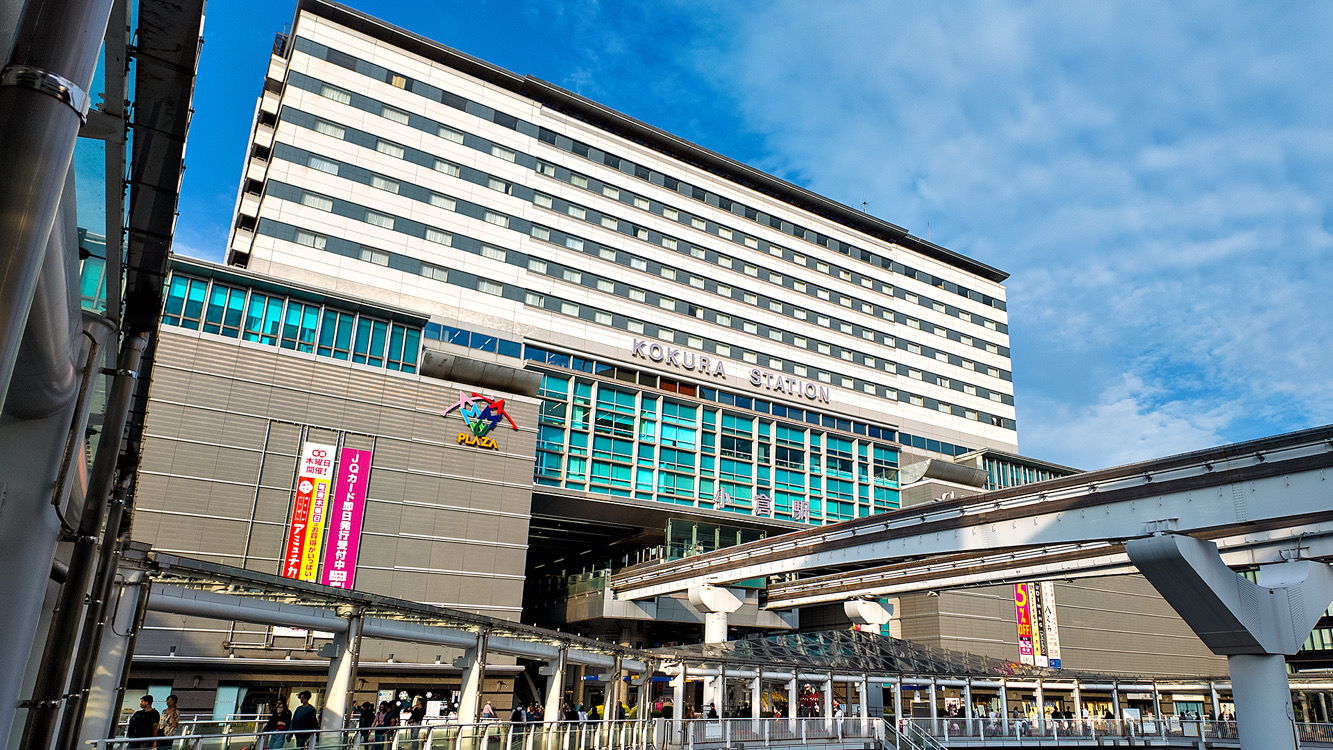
point(1034, 610)
point(1023, 609)
point(345, 514)
point(305, 531)
point(1050, 627)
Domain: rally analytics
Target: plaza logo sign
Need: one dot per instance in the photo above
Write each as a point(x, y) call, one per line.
point(482, 415)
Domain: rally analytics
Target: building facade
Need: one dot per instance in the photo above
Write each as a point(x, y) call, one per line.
point(690, 353)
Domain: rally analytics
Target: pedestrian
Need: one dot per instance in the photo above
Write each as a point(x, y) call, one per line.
point(488, 712)
point(416, 717)
point(278, 721)
point(365, 719)
point(567, 712)
point(305, 721)
point(171, 722)
point(712, 711)
point(384, 719)
point(144, 723)
point(583, 714)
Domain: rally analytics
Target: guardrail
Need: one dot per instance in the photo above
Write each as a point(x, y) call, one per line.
point(731, 733)
point(998, 731)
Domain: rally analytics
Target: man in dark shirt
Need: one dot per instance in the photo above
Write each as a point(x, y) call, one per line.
point(143, 723)
point(305, 721)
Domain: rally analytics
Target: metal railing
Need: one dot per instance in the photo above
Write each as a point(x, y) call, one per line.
point(1001, 731)
point(206, 724)
point(732, 733)
point(493, 735)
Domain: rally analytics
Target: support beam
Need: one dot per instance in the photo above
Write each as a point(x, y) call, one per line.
point(474, 674)
point(793, 698)
point(346, 648)
point(677, 702)
point(100, 715)
point(756, 695)
point(715, 602)
point(555, 690)
point(1253, 625)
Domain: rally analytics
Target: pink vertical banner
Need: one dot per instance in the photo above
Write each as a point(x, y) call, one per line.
point(1023, 612)
point(346, 510)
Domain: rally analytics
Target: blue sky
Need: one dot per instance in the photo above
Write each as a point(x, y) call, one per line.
point(1157, 177)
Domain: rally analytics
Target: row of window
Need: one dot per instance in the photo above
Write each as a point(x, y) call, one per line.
point(276, 320)
point(628, 229)
point(602, 438)
point(625, 166)
point(1001, 474)
point(550, 303)
point(283, 191)
point(468, 208)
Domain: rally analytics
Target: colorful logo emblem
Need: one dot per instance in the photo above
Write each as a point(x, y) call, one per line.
point(482, 415)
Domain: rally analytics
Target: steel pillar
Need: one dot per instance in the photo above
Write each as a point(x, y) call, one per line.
point(1253, 625)
point(474, 674)
point(103, 693)
point(555, 689)
point(756, 694)
point(346, 648)
point(678, 702)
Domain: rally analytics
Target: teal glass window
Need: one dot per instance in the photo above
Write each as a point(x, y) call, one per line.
point(612, 449)
point(554, 386)
point(368, 346)
point(548, 465)
point(263, 319)
point(615, 412)
point(226, 311)
point(550, 438)
point(335, 334)
point(185, 302)
point(578, 443)
point(299, 326)
point(677, 460)
point(404, 347)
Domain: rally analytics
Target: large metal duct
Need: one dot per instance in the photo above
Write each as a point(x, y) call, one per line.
point(944, 471)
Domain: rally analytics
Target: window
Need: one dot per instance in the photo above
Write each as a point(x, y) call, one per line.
point(263, 318)
point(449, 134)
point(379, 219)
point(317, 201)
point(669, 273)
point(724, 233)
point(501, 152)
point(668, 243)
point(578, 180)
point(397, 115)
point(322, 164)
point(751, 242)
point(490, 287)
point(226, 307)
point(497, 185)
point(750, 327)
point(493, 252)
point(750, 357)
point(298, 329)
point(397, 81)
point(335, 334)
point(448, 168)
point(569, 308)
point(543, 200)
point(572, 276)
point(383, 183)
point(434, 272)
point(641, 202)
point(371, 255)
point(603, 318)
point(605, 285)
point(390, 148)
point(310, 239)
point(574, 243)
point(666, 303)
point(576, 211)
point(724, 290)
point(611, 192)
point(329, 129)
point(500, 220)
point(724, 261)
point(336, 94)
point(438, 237)
point(368, 345)
point(610, 222)
point(775, 334)
point(638, 295)
point(532, 299)
point(185, 302)
point(724, 350)
point(635, 326)
point(751, 270)
point(541, 233)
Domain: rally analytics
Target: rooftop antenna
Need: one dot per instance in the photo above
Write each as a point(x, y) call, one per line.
point(865, 207)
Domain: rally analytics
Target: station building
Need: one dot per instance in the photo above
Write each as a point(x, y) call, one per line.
point(491, 340)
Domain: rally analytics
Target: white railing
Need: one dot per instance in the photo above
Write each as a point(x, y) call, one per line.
point(496, 735)
point(729, 733)
point(1000, 731)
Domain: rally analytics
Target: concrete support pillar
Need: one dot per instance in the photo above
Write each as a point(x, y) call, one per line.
point(474, 676)
point(1004, 706)
point(555, 687)
point(104, 691)
point(1252, 624)
point(793, 698)
point(1078, 700)
point(677, 701)
point(828, 698)
point(864, 687)
point(645, 690)
point(1115, 700)
point(342, 676)
point(868, 612)
point(615, 687)
point(1156, 702)
point(756, 695)
point(1217, 701)
point(1323, 707)
point(898, 700)
point(967, 699)
point(934, 709)
point(1041, 706)
point(715, 602)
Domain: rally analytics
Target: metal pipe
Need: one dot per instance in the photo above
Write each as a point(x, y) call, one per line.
point(45, 375)
point(94, 623)
point(145, 589)
point(43, 100)
point(44, 710)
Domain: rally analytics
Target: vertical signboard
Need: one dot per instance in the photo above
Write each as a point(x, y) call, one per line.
point(1034, 612)
point(1023, 609)
point(345, 514)
point(305, 531)
point(1051, 628)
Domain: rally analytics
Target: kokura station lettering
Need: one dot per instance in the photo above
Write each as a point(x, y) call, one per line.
point(688, 360)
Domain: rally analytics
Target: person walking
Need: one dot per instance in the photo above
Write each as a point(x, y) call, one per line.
point(488, 712)
point(384, 720)
point(280, 720)
point(365, 719)
point(305, 721)
point(144, 723)
point(171, 722)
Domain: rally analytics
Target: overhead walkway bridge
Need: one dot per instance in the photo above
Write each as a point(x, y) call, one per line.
point(1183, 522)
